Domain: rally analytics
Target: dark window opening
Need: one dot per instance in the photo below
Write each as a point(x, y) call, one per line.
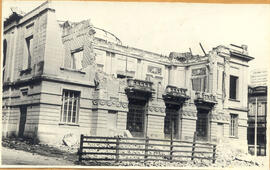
point(70, 106)
point(202, 124)
point(171, 123)
point(136, 117)
point(233, 87)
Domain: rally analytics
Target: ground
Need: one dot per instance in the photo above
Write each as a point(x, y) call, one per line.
point(22, 152)
point(18, 157)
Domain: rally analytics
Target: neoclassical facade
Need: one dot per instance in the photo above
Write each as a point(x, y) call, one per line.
point(66, 77)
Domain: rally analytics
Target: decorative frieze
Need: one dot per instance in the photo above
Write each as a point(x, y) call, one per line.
point(154, 70)
point(110, 103)
point(156, 109)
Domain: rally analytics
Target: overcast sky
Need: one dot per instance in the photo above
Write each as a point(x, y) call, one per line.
point(166, 27)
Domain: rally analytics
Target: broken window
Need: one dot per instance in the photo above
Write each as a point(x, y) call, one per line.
point(77, 58)
point(233, 87)
point(199, 84)
point(70, 106)
point(199, 79)
point(28, 52)
point(233, 125)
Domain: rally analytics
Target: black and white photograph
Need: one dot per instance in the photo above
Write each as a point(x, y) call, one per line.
point(134, 84)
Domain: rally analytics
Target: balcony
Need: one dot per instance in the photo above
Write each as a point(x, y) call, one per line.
point(141, 88)
point(175, 93)
point(206, 98)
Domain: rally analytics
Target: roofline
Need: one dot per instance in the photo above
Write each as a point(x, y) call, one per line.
point(241, 56)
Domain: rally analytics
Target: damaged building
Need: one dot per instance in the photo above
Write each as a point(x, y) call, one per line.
point(66, 77)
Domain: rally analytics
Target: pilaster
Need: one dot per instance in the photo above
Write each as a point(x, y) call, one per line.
point(188, 117)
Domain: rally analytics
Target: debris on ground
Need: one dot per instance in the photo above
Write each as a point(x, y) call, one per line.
point(70, 140)
point(42, 149)
point(226, 155)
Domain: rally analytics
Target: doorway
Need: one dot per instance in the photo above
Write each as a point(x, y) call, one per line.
point(171, 121)
point(202, 124)
point(23, 111)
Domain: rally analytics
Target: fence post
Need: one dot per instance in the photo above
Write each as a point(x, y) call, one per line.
point(81, 148)
point(171, 149)
point(117, 149)
point(193, 145)
point(146, 148)
point(214, 153)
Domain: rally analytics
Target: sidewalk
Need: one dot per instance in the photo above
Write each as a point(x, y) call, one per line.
point(18, 157)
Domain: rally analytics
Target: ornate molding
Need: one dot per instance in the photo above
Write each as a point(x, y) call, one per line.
point(156, 109)
point(109, 103)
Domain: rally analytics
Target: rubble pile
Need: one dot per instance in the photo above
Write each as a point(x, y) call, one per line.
point(229, 155)
point(41, 149)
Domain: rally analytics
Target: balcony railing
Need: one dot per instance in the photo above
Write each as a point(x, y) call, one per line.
point(176, 92)
point(205, 97)
point(140, 85)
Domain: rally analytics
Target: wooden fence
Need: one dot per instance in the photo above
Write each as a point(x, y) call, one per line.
point(94, 148)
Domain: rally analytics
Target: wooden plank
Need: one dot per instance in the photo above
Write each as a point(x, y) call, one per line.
point(98, 153)
point(88, 147)
point(97, 159)
point(103, 142)
point(129, 143)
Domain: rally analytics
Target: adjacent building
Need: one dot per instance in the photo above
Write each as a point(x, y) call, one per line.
point(258, 77)
point(72, 77)
point(257, 101)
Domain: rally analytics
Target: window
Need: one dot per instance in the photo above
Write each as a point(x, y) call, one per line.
point(135, 118)
point(233, 87)
point(28, 52)
point(199, 84)
point(70, 107)
point(233, 125)
point(171, 122)
point(199, 79)
point(77, 58)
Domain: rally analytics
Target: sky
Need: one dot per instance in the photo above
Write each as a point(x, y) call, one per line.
point(166, 27)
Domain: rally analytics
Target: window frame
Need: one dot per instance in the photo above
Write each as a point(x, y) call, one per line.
point(236, 92)
point(233, 129)
point(200, 74)
point(29, 52)
point(64, 119)
point(73, 63)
